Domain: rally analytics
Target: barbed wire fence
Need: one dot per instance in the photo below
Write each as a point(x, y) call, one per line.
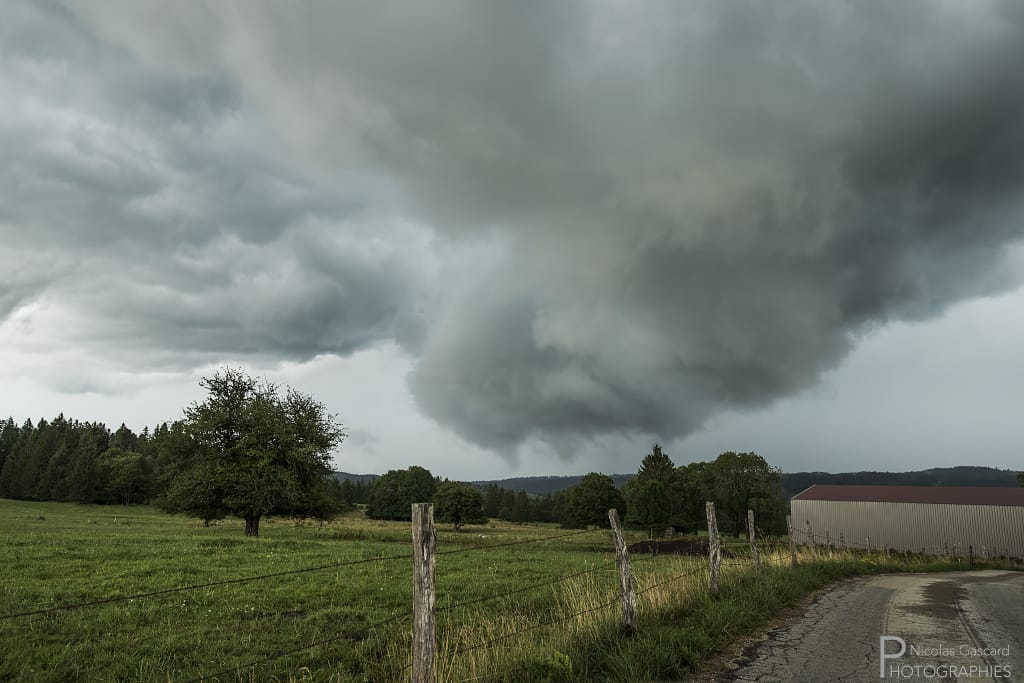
point(759, 552)
point(44, 611)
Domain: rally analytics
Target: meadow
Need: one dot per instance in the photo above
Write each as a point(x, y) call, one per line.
point(514, 602)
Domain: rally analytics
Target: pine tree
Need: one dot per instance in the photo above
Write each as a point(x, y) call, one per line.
point(8, 435)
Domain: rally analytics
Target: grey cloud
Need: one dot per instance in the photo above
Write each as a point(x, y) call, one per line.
point(667, 213)
point(165, 220)
point(362, 438)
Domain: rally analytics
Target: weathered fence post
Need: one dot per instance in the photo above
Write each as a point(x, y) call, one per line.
point(714, 550)
point(625, 574)
point(984, 552)
point(753, 542)
point(828, 542)
point(423, 561)
point(867, 542)
point(810, 536)
point(842, 542)
point(792, 540)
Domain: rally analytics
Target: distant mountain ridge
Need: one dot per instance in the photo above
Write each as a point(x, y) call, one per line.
point(357, 478)
point(792, 482)
point(539, 486)
point(964, 475)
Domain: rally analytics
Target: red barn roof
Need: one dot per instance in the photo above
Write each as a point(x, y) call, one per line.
point(950, 495)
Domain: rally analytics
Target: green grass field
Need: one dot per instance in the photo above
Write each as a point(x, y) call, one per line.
point(59, 554)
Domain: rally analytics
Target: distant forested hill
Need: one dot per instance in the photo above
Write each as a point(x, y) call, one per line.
point(539, 486)
point(792, 483)
point(356, 478)
point(796, 482)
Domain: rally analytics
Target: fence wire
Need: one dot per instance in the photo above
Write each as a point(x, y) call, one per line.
point(296, 650)
point(271, 575)
point(197, 586)
point(695, 570)
point(526, 589)
point(525, 541)
point(533, 627)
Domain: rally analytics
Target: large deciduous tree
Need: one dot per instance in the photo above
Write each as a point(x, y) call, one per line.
point(458, 504)
point(589, 502)
point(251, 451)
point(695, 483)
point(393, 494)
point(745, 481)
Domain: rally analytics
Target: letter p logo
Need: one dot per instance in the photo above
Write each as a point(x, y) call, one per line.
point(882, 656)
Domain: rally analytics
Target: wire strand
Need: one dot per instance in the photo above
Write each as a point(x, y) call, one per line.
point(695, 570)
point(289, 572)
point(196, 586)
point(285, 653)
point(533, 627)
point(519, 542)
point(535, 586)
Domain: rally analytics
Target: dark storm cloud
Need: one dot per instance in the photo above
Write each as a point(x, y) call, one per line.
point(163, 217)
point(643, 215)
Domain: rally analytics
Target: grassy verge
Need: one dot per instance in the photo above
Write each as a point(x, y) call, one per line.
point(546, 610)
point(681, 623)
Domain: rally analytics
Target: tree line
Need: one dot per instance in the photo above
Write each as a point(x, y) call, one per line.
point(83, 462)
point(69, 461)
point(253, 449)
point(661, 495)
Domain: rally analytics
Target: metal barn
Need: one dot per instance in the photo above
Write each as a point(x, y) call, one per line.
point(940, 519)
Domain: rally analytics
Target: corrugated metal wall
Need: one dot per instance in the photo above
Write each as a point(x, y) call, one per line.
point(911, 526)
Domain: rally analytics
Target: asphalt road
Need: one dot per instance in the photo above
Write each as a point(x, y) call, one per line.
point(953, 626)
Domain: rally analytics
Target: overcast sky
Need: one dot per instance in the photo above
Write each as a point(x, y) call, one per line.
point(526, 238)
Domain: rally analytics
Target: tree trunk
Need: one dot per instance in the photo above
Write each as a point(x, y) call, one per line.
point(252, 525)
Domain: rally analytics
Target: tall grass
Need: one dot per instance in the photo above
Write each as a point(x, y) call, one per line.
point(681, 622)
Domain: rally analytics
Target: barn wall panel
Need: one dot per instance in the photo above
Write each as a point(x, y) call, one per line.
point(911, 526)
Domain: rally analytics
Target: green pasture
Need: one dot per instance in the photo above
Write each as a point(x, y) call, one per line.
point(57, 554)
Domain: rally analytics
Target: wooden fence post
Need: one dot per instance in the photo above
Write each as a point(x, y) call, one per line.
point(753, 542)
point(424, 536)
point(867, 542)
point(810, 536)
point(625, 574)
point(714, 550)
point(792, 540)
point(842, 542)
point(984, 552)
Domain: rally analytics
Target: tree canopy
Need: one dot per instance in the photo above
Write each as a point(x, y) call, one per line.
point(250, 450)
point(589, 502)
point(458, 504)
point(653, 494)
point(745, 481)
point(393, 494)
